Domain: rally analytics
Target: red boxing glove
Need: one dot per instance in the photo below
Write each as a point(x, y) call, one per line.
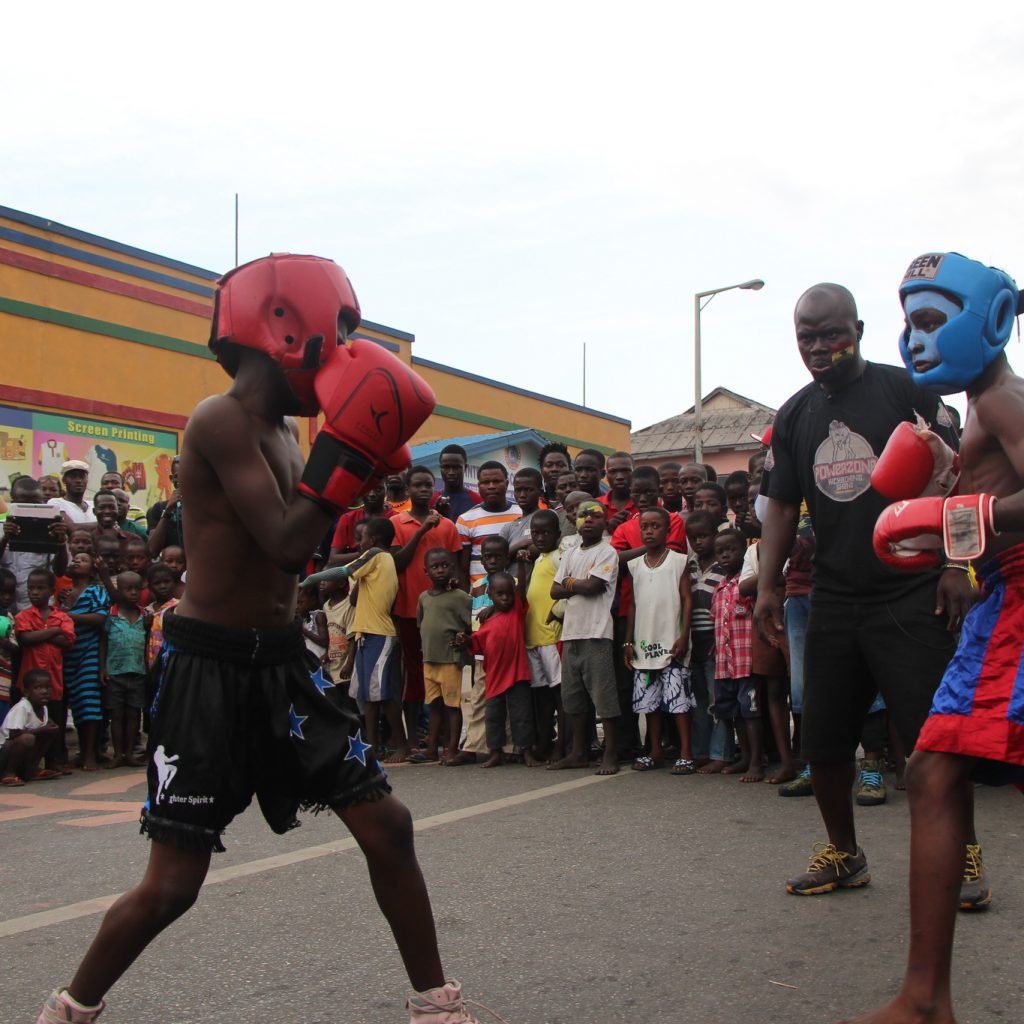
point(966, 522)
point(373, 403)
point(916, 463)
point(908, 535)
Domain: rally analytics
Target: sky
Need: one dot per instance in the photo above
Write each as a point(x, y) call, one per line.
point(511, 182)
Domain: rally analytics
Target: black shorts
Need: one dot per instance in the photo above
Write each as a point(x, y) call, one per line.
point(856, 650)
point(238, 712)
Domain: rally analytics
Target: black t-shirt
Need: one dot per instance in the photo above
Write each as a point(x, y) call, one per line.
point(823, 450)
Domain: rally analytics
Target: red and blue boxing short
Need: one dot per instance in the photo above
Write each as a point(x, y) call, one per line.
point(978, 709)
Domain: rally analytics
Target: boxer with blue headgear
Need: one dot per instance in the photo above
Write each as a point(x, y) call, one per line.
point(959, 317)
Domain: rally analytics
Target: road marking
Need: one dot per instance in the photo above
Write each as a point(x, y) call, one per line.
point(72, 911)
point(34, 805)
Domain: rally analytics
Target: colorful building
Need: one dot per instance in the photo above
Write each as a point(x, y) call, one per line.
point(105, 355)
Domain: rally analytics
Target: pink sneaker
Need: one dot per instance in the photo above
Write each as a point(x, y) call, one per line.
point(437, 1006)
point(60, 1008)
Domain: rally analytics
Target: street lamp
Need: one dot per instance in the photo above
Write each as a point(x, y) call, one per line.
point(698, 418)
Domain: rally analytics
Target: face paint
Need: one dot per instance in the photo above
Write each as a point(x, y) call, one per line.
point(583, 509)
point(842, 350)
point(923, 345)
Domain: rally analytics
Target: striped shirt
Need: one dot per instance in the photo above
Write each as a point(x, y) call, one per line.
point(702, 586)
point(475, 526)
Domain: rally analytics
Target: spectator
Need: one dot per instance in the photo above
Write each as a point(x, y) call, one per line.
point(475, 526)
point(500, 643)
point(589, 467)
point(657, 638)
point(161, 589)
point(123, 669)
point(8, 640)
point(442, 613)
point(736, 486)
point(111, 481)
point(586, 579)
point(344, 548)
point(710, 497)
point(339, 613)
point(174, 558)
point(737, 690)
point(691, 477)
point(454, 498)
point(397, 493)
point(28, 492)
point(567, 483)
point(44, 634)
point(164, 517)
point(618, 504)
point(127, 525)
point(50, 486)
point(526, 486)
point(417, 530)
point(712, 741)
point(671, 488)
point(74, 505)
point(543, 633)
point(26, 734)
point(554, 461)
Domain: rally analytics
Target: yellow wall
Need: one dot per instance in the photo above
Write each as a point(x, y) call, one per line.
point(81, 346)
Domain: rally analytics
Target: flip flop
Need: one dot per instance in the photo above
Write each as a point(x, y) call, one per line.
point(11, 780)
point(420, 758)
point(645, 764)
point(44, 774)
point(683, 767)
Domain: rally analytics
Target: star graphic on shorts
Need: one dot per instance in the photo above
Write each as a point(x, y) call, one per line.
point(320, 681)
point(357, 748)
point(295, 723)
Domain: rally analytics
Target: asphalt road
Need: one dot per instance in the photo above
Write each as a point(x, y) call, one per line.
point(560, 898)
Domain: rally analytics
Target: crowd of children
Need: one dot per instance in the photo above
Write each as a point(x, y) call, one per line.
point(80, 625)
point(587, 609)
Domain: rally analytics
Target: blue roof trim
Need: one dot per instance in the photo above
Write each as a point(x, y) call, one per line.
point(475, 443)
point(517, 391)
point(35, 242)
point(389, 345)
point(393, 332)
point(83, 236)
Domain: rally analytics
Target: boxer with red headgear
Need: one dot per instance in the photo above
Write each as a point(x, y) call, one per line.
point(241, 709)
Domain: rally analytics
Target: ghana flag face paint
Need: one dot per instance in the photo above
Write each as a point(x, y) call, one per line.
point(842, 350)
point(587, 510)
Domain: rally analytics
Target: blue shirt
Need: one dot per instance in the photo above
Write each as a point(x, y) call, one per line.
point(126, 645)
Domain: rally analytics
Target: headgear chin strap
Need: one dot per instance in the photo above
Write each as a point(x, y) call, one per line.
point(976, 334)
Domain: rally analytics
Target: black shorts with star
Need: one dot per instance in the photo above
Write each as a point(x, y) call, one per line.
point(238, 712)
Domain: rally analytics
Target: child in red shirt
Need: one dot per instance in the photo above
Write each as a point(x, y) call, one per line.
point(502, 642)
point(44, 634)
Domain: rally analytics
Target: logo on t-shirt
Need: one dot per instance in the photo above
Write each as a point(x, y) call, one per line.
point(843, 463)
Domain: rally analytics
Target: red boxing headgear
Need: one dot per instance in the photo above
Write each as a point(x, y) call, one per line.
point(288, 307)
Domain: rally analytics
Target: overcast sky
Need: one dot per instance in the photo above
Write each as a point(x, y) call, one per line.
point(509, 181)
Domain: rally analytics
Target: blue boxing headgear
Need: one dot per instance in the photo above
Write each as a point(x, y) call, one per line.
point(970, 340)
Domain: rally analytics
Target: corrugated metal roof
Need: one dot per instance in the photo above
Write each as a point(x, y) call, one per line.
point(722, 428)
point(477, 442)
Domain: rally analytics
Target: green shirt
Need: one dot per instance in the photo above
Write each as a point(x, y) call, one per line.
point(440, 617)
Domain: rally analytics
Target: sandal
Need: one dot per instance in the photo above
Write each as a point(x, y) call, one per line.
point(43, 775)
point(420, 757)
point(683, 767)
point(11, 780)
point(645, 764)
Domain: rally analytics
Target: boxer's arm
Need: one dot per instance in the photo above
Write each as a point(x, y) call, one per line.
point(286, 530)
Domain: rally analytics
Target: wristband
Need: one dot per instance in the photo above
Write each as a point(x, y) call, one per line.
point(957, 565)
point(569, 582)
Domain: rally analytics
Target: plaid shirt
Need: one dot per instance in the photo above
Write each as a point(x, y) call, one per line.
point(734, 630)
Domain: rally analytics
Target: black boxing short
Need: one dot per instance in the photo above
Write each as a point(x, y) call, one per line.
point(238, 712)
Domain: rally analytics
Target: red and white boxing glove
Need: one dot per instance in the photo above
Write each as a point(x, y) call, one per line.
point(967, 520)
point(373, 403)
point(908, 535)
point(915, 463)
point(913, 535)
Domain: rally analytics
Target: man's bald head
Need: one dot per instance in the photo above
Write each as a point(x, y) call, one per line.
point(838, 299)
point(828, 334)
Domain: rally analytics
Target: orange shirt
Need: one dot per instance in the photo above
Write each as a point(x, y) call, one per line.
point(46, 655)
point(413, 579)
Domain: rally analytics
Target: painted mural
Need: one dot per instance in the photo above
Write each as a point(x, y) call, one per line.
point(37, 443)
